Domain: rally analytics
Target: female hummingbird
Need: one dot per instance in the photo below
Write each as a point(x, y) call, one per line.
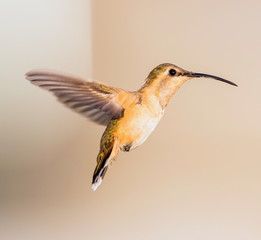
point(130, 117)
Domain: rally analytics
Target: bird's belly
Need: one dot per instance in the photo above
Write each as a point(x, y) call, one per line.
point(136, 130)
point(145, 130)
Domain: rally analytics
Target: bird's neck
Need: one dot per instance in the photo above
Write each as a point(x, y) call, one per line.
point(163, 90)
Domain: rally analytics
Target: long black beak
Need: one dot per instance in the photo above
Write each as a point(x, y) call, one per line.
point(197, 75)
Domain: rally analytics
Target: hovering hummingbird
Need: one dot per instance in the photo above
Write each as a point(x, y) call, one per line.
point(130, 117)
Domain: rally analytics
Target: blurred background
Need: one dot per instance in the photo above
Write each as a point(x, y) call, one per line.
point(196, 177)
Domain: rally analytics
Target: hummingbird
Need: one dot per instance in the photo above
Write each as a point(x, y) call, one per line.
point(129, 116)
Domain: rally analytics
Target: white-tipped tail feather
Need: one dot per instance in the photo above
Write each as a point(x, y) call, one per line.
point(96, 184)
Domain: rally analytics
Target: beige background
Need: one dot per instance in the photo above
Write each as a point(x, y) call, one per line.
point(196, 177)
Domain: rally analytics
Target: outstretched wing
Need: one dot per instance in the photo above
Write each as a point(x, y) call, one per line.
point(94, 100)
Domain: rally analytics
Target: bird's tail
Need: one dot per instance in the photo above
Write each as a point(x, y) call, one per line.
point(105, 158)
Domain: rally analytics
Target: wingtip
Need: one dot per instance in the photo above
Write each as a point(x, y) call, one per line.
point(30, 75)
point(45, 72)
point(36, 71)
point(27, 75)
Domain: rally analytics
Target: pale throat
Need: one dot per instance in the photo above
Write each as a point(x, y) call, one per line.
point(164, 90)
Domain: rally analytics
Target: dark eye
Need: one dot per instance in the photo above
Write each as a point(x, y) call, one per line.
point(172, 72)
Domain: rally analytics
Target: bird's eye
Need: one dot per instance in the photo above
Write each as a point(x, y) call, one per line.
point(172, 72)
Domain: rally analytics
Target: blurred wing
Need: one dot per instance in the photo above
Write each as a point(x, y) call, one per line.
point(94, 100)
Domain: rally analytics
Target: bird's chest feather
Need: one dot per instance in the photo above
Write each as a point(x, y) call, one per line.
point(138, 123)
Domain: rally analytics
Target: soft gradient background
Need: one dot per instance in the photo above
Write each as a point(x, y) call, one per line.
point(197, 176)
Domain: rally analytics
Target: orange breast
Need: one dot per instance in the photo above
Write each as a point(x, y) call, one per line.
point(139, 120)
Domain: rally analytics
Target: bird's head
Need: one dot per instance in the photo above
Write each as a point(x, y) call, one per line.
point(173, 75)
